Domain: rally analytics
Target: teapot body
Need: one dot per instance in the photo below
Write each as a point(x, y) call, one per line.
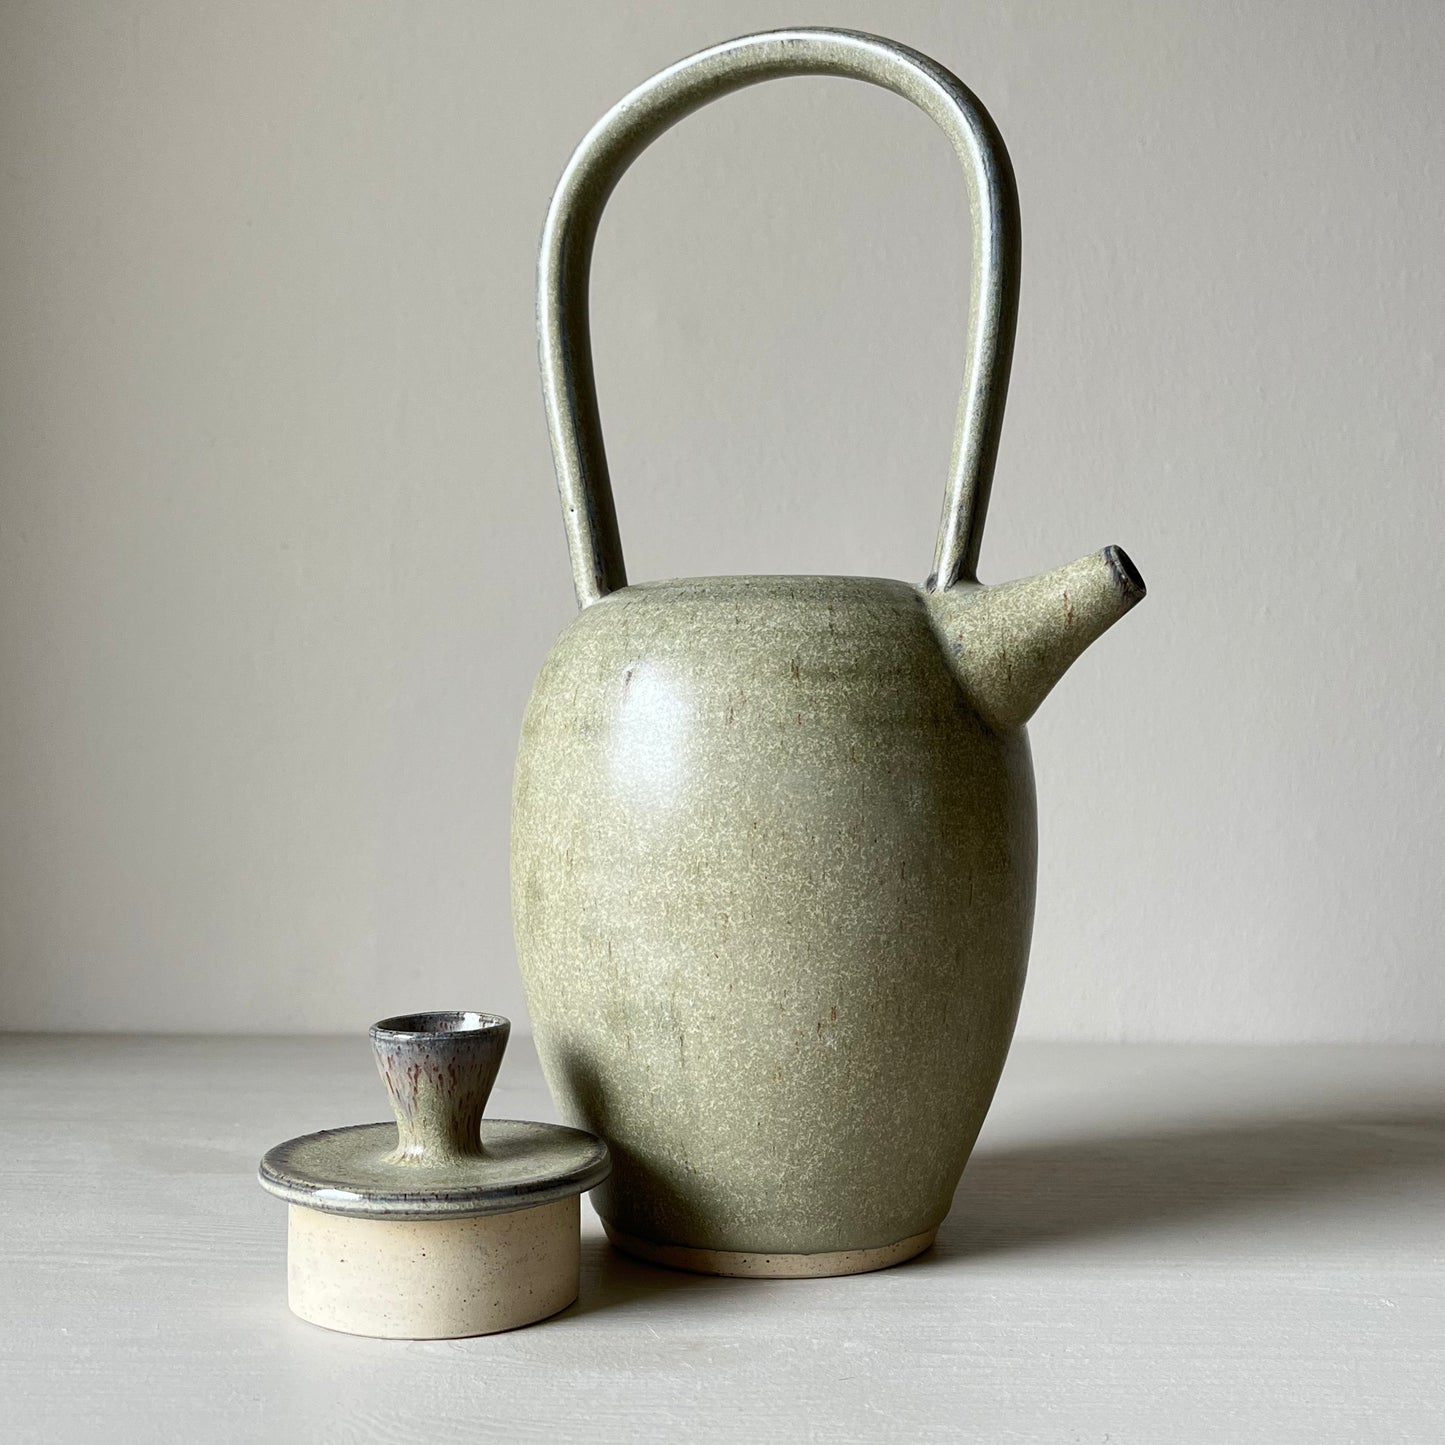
point(773, 839)
point(773, 884)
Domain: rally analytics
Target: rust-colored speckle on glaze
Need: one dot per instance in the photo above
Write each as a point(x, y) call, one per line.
point(773, 846)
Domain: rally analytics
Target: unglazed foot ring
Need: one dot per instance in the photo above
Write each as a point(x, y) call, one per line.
point(745, 1264)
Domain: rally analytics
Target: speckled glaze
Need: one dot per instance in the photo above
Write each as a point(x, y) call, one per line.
point(774, 837)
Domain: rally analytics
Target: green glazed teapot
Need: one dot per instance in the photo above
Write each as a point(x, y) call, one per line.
point(773, 838)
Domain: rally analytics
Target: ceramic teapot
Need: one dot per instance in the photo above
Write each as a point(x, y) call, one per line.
point(773, 840)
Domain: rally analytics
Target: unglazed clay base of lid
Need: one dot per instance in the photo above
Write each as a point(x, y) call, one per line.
point(443, 1224)
point(434, 1279)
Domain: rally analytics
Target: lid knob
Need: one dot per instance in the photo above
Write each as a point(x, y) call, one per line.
point(439, 1069)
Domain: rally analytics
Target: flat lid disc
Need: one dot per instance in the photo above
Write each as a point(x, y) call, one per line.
point(349, 1171)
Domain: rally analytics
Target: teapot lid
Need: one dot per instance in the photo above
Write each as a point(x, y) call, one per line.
point(440, 1159)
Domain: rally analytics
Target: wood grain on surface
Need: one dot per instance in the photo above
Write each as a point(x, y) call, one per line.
point(1152, 1244)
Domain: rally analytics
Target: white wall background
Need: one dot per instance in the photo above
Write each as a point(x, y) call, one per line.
point(280, 551)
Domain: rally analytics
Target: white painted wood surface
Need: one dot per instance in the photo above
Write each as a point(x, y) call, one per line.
point(1153, 1244)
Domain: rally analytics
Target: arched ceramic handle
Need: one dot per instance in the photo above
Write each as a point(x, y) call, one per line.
point(568, 384)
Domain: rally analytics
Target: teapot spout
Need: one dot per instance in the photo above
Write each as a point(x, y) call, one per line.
point(1010, 644)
